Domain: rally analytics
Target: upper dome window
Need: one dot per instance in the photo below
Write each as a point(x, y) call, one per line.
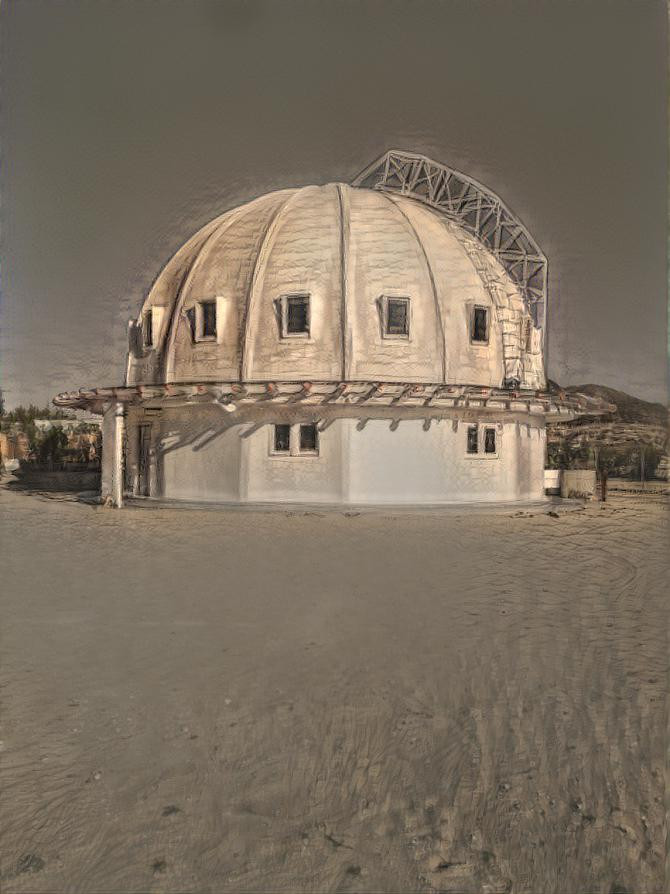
point(479, 325)
point(148, 329)
point(294, 315)
point(202, 321)
point(209, 319)
point(395, 317)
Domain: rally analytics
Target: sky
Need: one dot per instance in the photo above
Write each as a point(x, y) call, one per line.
point(128, 125)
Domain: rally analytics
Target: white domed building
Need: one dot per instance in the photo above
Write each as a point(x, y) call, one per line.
point(375, 343)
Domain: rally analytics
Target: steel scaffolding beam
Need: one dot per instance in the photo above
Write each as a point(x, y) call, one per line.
point(473, 207)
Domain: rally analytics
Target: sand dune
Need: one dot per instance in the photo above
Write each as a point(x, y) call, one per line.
point(245, 702)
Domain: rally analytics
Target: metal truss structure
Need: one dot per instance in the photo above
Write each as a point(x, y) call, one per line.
point(473, 207)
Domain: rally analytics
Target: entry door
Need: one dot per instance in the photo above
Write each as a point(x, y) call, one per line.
point(143, 460)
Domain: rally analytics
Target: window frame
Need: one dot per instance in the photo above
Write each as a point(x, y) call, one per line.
point(148, 329)
point(470, 428)
point(294, 451)
point(284, 301)
point(482, 342)
point(487, 429)
point(308, 451)
point(273, 441)
point(482, 428)
point(396, 336)
point(527, 334)
point(192, 322)
point(195, 320)
point(209, 336)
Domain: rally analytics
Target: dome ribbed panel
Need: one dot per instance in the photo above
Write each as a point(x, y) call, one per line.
point(345, 343)
point(459, 287)
point(164, 294)
point(429, 269)
point(301, 255)
point(385, 260)
point(348, 248)
point(224, 270)
point(248, 330)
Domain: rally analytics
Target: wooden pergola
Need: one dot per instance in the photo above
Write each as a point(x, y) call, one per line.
point(234, 395)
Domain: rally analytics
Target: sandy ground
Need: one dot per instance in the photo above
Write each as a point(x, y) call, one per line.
point(306, 702)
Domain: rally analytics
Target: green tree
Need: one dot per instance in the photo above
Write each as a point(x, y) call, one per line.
point(608, 461)
point(647, 457)
point(50, 448)
point(568, 453)
point(27, 414)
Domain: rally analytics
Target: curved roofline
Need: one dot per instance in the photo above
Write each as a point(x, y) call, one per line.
point(480, 218)
point(474, 207)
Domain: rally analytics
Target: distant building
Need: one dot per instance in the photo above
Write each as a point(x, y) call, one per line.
point(14, 446)
point(375, 343)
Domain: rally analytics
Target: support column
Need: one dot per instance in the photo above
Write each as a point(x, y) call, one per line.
point(117, 469)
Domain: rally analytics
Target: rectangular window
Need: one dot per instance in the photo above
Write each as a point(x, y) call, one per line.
point(489, 440)
point(282, 441)
point(296, 315)
point(530, 337)
point(473, 446)
point(190, 316)
point(147, 329)
point(208, 319)
point(480, 324)
point(397, 316)
point(143, 459)
point(308, 439)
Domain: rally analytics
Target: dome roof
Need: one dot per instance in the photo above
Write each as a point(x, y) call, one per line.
point(347, 250)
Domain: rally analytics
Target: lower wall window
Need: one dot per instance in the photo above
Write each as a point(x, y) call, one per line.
point(295, 440)
point(282, 438)
point(482, 440)
point(309, 440)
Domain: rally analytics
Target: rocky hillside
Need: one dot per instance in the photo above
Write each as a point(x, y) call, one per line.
point(635, 434)
point(628, 408)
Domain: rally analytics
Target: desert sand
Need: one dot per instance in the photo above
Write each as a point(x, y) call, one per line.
point(221, 701)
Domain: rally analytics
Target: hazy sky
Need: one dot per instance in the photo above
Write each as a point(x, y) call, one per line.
point(128, 125)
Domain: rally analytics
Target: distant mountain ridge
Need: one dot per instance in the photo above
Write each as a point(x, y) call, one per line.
point(628, 408)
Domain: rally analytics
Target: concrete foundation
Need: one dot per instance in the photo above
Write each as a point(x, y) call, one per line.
point(578, 483)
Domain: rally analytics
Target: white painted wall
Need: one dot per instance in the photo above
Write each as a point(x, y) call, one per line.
point(207, 457)
point(199, 455)
point(414, 465)
point(295, 478)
